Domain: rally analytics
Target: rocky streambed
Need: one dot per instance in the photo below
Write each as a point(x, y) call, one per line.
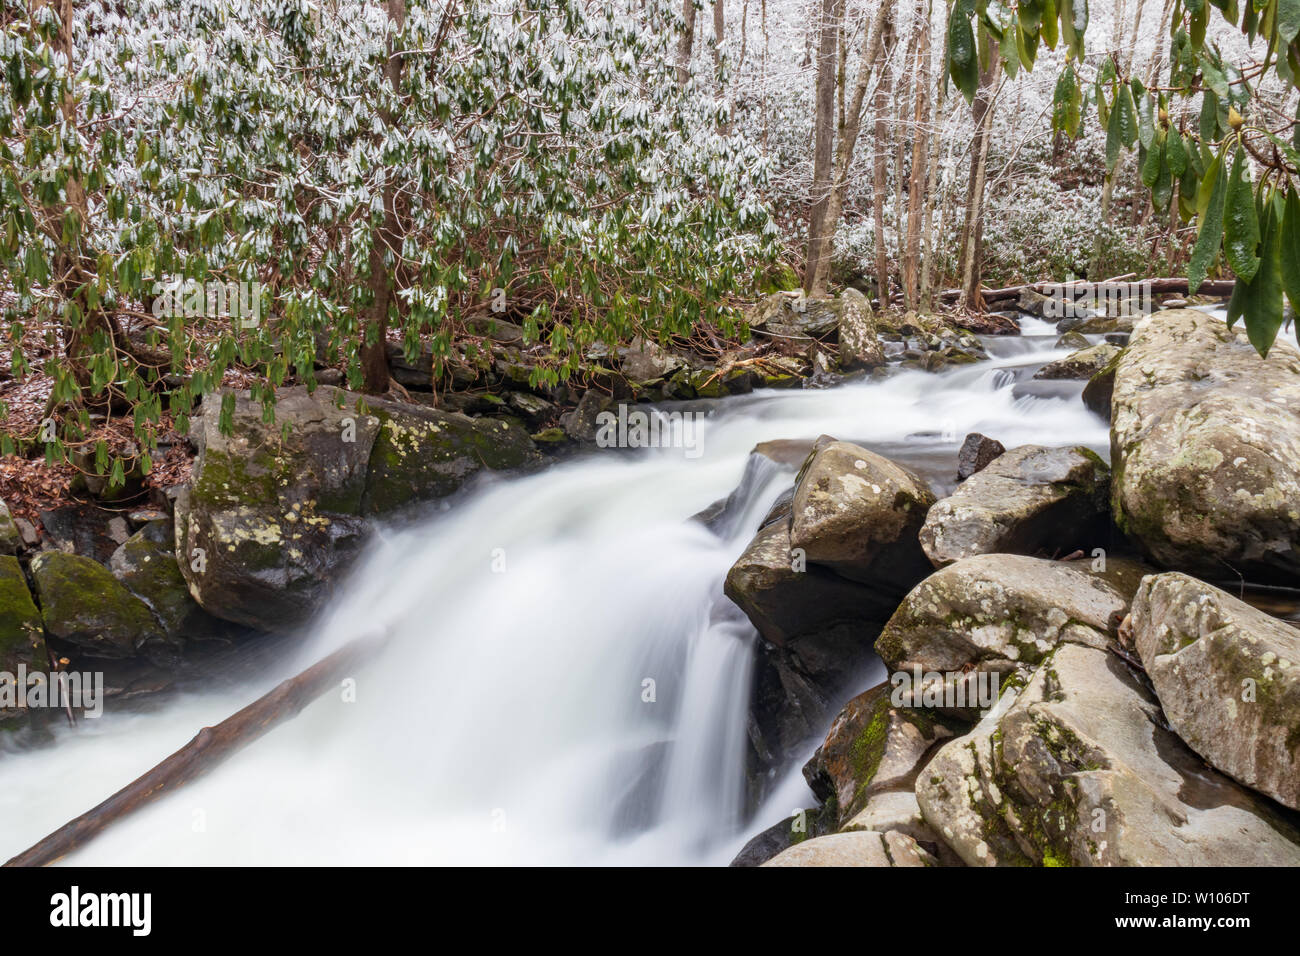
point(1047, 662)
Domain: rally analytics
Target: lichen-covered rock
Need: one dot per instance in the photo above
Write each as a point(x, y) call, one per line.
point(83, 604)
point(1073, 340)
point(1083, 364)
point(855, 848)
point(858, 513)
point(146, 565)
point(277, 511)
point(1029, 499)
point(22, 635)
point(976, 453)
point(1078, 770)
point(1228, 678)
point(859, 345)
point(1003, 613)
point(644, 362)
point(1205, 444)
point(11, 541)
point(871, 748)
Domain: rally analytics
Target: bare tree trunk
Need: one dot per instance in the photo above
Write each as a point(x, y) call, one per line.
point(973, 230)
point(873, 53)
point(685, 41)
point(374, 343)
point(928, 225)
point(879, 159)
point(823, 134)
point(920, 150)
point(719, 31)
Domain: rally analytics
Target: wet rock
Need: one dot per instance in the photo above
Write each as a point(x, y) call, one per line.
point(858, 514)
point(1097, 393)
point(976, 452)
point(802, 825)
point(1083, 364)
point(1205, 440)
point(146, 565)
point(1078, 770)
point(1073, 340)
point(84, 605)
point(872, 748)
point(1027, 500)
point(1228, 679)
point(277, 511)
point(993, 323)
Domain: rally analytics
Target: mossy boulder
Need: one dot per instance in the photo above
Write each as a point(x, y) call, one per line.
point(1101, 386)
point(22, 633)
point(277, 511)
point(1205, 445)
point(1026, 500)
point(859, 345)
point(146, 565)
point(11, 541)
point(1002, 614)
point(84, 605)
point(1228, 679)
point(872, 747)
point(1077, 769)
point(1083, 364)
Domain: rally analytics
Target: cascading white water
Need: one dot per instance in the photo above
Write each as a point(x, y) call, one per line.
point(508, 719)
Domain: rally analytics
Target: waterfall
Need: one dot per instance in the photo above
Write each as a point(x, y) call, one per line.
point(565, 682)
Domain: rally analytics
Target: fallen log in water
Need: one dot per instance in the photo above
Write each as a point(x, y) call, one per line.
point(1170, 286)
point(210, 746)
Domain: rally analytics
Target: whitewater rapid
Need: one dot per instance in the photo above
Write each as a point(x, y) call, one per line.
point(564, 682)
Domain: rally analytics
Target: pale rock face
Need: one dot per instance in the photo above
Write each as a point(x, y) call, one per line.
point(1228, 679)
point(857, 848)
point(859, 345)
point(1077, 770)
point(1205, 445)
point(1026, 500)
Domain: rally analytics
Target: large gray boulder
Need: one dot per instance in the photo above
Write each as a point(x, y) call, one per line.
point(146, 564)
point(1205, 445)
point(277, 511)
point(1027, 500)
point(858, 513)
point(1078, 770)
point(1001, 614)
point(859, 344)
point(1228, 679)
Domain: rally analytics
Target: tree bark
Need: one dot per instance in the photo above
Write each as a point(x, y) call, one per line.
point(719, 31)
point(686, 40)
point(209, 748)
point(973, 230)
point(823, 135)
point(879, 158)
point(911, 266)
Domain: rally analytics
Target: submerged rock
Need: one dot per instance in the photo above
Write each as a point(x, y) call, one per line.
point(1029, 499)
point(83, 604)
point(1078, 770)
point(1205, 440)
point(1228, 679)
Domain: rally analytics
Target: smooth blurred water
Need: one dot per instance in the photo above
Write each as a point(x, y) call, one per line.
point(507, 720)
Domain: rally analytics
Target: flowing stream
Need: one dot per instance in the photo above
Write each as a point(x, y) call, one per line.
point(511, 718)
